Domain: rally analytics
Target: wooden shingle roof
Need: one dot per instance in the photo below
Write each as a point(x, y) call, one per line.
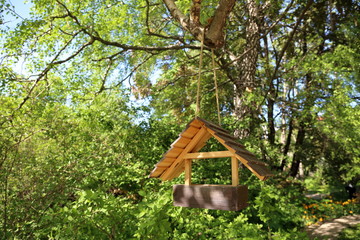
point(192, 139)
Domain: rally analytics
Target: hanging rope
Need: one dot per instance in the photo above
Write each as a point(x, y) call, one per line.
point(216, 86)
point(199, 76)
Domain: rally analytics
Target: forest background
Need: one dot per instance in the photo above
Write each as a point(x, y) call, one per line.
point(93, 92)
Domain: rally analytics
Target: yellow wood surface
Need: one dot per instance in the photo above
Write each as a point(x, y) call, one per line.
point(188, 171)
point(189, 132)
point(234, 171)
point(202, 142)
point(200, 155)
point(174, 167)
point(181, 142)
point(173, 152)
point(166, 162)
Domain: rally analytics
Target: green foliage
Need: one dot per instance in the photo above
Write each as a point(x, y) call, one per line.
point(322, 210)
point(279, 205)
point(102, 98)
point(350, 233)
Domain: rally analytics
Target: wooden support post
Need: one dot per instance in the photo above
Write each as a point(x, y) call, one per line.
point(188, 171)
point(234, 171)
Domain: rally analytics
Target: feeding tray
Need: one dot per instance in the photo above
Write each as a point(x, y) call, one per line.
point(186, 148)
point(219, 197)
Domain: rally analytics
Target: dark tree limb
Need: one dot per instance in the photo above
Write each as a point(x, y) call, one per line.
point(299, 153)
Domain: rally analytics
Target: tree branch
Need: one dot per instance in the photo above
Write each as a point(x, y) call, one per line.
point(309, 3)
point(97, 37)
point(215, 33)
point(195, 12)
point(150, 32)
point(51, 65)
point(214, 36)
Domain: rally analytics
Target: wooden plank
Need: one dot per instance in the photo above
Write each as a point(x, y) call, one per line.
point(213, 126)
point(245, 162)
point(242, 152)
point(224, 136)
point(196, 123)
point(202, 142)
point(218, 197)
point(165, 162)
point(254, 170)
point(234, 171)
point(190, 132)
point(188, 171)
point(222, 141)
point(246, 156)
point(181, 142)
point(236, 149)
point(259, 163)
point(200, 155)
point(239, 148)
point(233, 143)
point(173, 152)
point(156, 173)
point(179, 170)
point(262, 170)
point(200, 134)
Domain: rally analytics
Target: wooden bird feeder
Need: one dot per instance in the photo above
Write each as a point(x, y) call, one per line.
point(186, 148)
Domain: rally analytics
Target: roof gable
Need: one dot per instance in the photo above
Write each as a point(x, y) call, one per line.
point(192, 139)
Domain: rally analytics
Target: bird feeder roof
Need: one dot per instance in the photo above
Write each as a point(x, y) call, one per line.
point(192, 139)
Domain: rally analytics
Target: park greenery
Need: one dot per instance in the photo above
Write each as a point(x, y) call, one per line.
point(93, 93)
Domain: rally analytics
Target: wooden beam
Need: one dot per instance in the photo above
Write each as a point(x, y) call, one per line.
point(188, 171)
point(234, 171)
point(199, 135)
point(240, 158)
point(199, 155)
point(223, 142)
point(202, 142)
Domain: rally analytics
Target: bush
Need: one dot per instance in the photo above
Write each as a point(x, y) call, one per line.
point(350, 233)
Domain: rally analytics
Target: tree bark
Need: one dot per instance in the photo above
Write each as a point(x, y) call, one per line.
point(298, 155)
point(213, 32)
point(246, 79)
point(286, 145)
point(270, 113)
point(248, 63)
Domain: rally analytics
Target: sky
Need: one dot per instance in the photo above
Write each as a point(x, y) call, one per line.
point(21, 9)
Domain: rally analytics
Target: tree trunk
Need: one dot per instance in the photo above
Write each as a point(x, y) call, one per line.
point(287, 143)
point(246, 80)
point(270, 113)
point(298, 155)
